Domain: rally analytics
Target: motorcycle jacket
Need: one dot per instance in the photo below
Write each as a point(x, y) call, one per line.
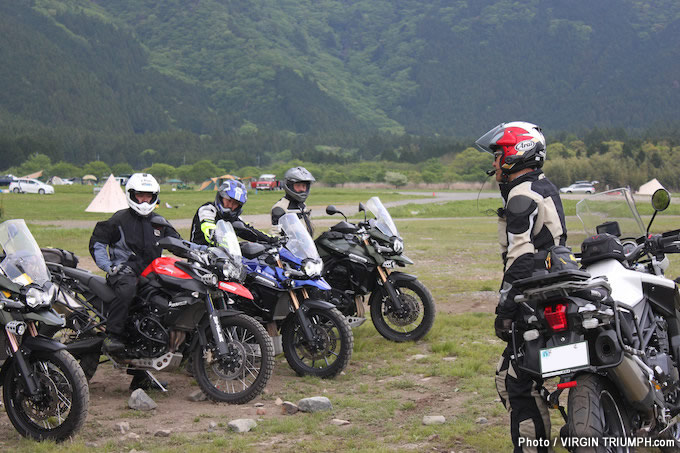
point(530, 223)
point(206, 218)
point(128, 238)
point(293, 206)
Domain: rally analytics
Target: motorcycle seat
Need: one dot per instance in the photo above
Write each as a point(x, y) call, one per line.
point(550, 278)
point(252, 250)
point(94, 282)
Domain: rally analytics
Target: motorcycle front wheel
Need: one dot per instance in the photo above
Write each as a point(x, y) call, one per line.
point(88, 361)
point(243, 372)
point(596, 410)
point(330, 350)
point(60, 408)
point(413, 321)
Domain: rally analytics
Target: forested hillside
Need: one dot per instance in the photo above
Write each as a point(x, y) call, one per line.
point(111, 76)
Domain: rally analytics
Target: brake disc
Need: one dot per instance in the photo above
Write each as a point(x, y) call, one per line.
point(410, 311)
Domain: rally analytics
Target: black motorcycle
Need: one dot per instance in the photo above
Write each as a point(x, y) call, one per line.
point(359, 259)
point(182, 310)
point(45, 392)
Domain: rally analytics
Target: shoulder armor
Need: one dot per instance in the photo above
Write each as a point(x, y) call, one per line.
point(520, 205)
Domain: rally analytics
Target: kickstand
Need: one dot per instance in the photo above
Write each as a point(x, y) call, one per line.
point(156, 381)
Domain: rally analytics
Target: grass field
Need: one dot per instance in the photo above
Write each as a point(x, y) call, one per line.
point(385, 392)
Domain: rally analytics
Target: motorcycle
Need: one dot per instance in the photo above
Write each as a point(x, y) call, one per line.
point(314, 336)
point(45, 392)
point(182, 310)
point(609, 331)
point(357, 261)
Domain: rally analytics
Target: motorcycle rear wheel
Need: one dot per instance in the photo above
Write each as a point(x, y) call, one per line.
point(332, 353)
point(243, 373)
point(61, 407)
point(596, 410)
point(417, 319)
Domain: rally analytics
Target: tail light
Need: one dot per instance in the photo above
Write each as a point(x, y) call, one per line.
point(556, 316)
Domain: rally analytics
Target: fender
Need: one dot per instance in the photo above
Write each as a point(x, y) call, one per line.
point(235, 288)
point(41, 343)
point(395, 276)
point(85, 346)
point(316, 303)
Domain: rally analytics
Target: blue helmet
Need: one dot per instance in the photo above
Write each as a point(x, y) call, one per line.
point(236, 191)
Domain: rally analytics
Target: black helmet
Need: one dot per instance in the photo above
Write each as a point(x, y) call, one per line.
point(293, 175)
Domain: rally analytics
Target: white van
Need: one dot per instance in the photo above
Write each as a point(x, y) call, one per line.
point(29, 185)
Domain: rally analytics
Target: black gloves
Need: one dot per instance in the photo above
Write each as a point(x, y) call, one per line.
point(121, 269)
point(503, 327)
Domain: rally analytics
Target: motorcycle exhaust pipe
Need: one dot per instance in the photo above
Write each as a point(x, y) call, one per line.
point(633, 383)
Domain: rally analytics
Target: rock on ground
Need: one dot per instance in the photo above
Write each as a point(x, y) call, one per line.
point(242, 425)
point(434, 420)
point(140, 401)
point(315, 404)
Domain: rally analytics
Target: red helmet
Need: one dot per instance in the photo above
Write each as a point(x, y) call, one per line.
point(522, 145)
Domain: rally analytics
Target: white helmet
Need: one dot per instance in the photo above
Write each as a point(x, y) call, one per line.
point(142, 182)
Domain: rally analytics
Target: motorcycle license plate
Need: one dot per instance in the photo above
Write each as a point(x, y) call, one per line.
point(562, 359)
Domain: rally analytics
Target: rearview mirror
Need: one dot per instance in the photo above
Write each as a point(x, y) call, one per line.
point(661, 200)
point(330, 210)
point(362, 207)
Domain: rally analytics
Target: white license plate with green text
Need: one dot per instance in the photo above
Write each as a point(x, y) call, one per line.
point(564, 358)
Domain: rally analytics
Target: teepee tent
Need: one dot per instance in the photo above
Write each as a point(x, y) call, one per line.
point(649, 187)
point(215, 183)
point(110, 199)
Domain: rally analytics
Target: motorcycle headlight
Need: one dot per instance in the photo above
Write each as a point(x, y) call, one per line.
point(397, 244)
point(312, 268)
point(231, 271)
point(35, 297)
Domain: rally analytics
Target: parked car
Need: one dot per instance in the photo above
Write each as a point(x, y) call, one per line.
point(6, 180)
point(29, 185)
point(266, 182)
point(579, 187)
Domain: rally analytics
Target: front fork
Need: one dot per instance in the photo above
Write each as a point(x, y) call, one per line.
point(13, 329)
point(215, 326)
point(389, 287)
point(301, 315)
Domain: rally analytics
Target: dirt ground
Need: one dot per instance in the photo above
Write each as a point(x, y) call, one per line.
point(109, 395)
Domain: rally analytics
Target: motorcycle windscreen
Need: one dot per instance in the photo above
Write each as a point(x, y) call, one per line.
point(20, 254)
point(383, 219)
point(225, 236)
point(299, 241)
point(617, 205)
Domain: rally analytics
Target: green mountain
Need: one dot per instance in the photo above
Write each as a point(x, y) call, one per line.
point(323, 66)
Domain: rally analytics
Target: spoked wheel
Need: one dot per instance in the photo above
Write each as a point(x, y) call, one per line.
point(672, 433)
point(70, 333)
point(243, 372)
point(331, 349)
point(595, 410)
point(414, 319)
point(59, 409)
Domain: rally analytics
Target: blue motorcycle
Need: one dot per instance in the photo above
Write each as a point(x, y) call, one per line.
point(314, 336)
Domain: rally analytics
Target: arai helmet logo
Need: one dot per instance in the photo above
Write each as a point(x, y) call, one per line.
point(525, 145)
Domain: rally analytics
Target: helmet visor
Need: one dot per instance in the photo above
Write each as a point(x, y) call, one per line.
point(487, 142)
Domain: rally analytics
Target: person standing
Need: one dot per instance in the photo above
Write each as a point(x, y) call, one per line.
point(529, 224)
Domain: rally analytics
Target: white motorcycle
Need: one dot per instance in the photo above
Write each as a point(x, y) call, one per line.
point(609, 331)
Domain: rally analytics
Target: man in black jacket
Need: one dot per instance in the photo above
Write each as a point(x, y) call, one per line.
point(529, 224)
point(296, 183)
point(123, 246)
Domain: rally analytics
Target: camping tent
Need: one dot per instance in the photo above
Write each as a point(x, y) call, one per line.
point(56, 181)
point(35, 175)
point(89, 179)
point(109, 199)
point(649, 187)
point(214, 183)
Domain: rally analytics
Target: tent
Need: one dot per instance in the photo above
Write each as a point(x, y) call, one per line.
point(56, 181)
point(35, 175)
point(649, 187)
point(89, 179)
point(109, 199)
point(214, 183)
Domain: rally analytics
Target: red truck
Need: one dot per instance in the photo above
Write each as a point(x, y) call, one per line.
point(266, 182)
